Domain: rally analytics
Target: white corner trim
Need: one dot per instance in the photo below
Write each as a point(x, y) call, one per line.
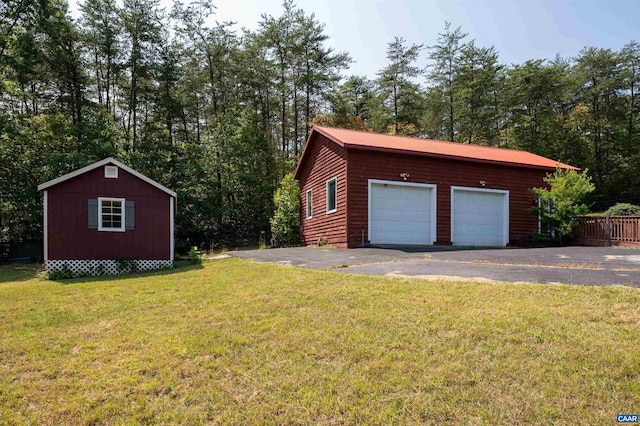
point(505, 208)
point(123, 209)
point(434, 203)
point(327, 195)
point(171, 229)
point(100, 164)
point(45, 226)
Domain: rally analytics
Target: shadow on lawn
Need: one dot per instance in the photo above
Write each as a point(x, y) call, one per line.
point(178, 268)
point(14, 272)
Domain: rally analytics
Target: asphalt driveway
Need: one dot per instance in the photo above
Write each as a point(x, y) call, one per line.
point(571, 265)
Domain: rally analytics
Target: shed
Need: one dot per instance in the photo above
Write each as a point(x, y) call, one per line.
point(107, 218)
point(360, 188)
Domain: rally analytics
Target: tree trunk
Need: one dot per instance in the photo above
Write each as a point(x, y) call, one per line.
point(98, 77)
point(108, 83)
point(307, 104)
point(295, 118)
point(395, 107)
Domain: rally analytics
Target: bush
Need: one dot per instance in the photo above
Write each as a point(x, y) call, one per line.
point(564, 201)
point(285, 223)
point(194, 256)
point(623, 209)
point(63, 273)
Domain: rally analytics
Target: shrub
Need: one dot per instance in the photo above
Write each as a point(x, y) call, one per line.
point(285, 223)
point(564, 201)
point(64, 273)
point(623, 209)
point(194, 256)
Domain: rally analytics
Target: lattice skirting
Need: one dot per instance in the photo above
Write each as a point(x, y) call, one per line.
point(105, 267)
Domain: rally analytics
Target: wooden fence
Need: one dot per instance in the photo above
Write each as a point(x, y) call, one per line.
point(608, 230)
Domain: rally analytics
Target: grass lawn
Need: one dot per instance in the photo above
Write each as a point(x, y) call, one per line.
point(241, 342)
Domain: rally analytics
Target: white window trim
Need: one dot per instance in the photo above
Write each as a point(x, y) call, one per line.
point(336, 196)
point(108, 169)
point(505, 209)
point(434, 203)
point(309, 204)
point(123, 225)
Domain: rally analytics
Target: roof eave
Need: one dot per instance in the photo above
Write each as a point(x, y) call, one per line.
point(314, 129)
point(101, 163)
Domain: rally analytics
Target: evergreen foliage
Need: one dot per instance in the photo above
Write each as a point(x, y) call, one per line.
point(623, 209)
point(285, 223)
point(220, 114)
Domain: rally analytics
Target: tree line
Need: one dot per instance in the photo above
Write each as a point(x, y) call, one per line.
point(220, 114)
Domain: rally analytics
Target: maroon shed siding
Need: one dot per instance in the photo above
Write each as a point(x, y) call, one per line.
point(69, 237)
point(324, 160)
point(364, 165)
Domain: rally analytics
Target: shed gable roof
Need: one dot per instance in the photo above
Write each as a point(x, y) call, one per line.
point(101, 163)
point(354, 139)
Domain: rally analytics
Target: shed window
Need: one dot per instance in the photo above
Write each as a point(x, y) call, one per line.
point(111, 214)
point(332, 205)
point(111, 172)
point(309, 204)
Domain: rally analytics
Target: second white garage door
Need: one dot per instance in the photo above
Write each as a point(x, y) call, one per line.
point(479, 217)
point(401, 213)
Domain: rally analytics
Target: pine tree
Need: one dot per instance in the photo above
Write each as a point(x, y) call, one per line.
point(396, 82)
point(444, 74)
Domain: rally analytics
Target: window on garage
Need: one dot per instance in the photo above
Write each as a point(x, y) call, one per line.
point(309, 204)
point(332, 204)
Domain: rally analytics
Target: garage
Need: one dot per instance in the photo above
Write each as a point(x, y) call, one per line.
point(386, 187)
point(479, 217)
point(401, 213)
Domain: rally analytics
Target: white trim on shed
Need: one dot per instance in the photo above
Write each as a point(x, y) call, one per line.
point(171, 229)
point(111, 213)
point(100, 164)
point(45, 225)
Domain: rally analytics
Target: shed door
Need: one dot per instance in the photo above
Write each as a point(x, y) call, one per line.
point(401, 213)
point(479, 217)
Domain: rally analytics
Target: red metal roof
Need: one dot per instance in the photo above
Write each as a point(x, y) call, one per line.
point(353, 139)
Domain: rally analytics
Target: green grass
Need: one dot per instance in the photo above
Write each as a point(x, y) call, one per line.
point(241, 342)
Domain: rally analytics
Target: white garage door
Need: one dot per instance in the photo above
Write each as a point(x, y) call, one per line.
point(401, 213)
point(479, 217)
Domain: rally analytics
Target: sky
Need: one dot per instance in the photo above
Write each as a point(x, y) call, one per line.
point(518, 29)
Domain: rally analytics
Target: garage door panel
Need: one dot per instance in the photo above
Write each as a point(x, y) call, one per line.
point(479, 218)
point(400, 214)
point(408, 210)
point(397, 226)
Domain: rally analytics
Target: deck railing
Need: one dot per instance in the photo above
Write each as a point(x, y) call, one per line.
point(608, 230)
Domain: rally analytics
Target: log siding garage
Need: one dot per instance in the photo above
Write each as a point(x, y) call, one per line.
point(392, 190)
point(107, 218)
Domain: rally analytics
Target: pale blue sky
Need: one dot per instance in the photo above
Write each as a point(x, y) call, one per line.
point(519, 30)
